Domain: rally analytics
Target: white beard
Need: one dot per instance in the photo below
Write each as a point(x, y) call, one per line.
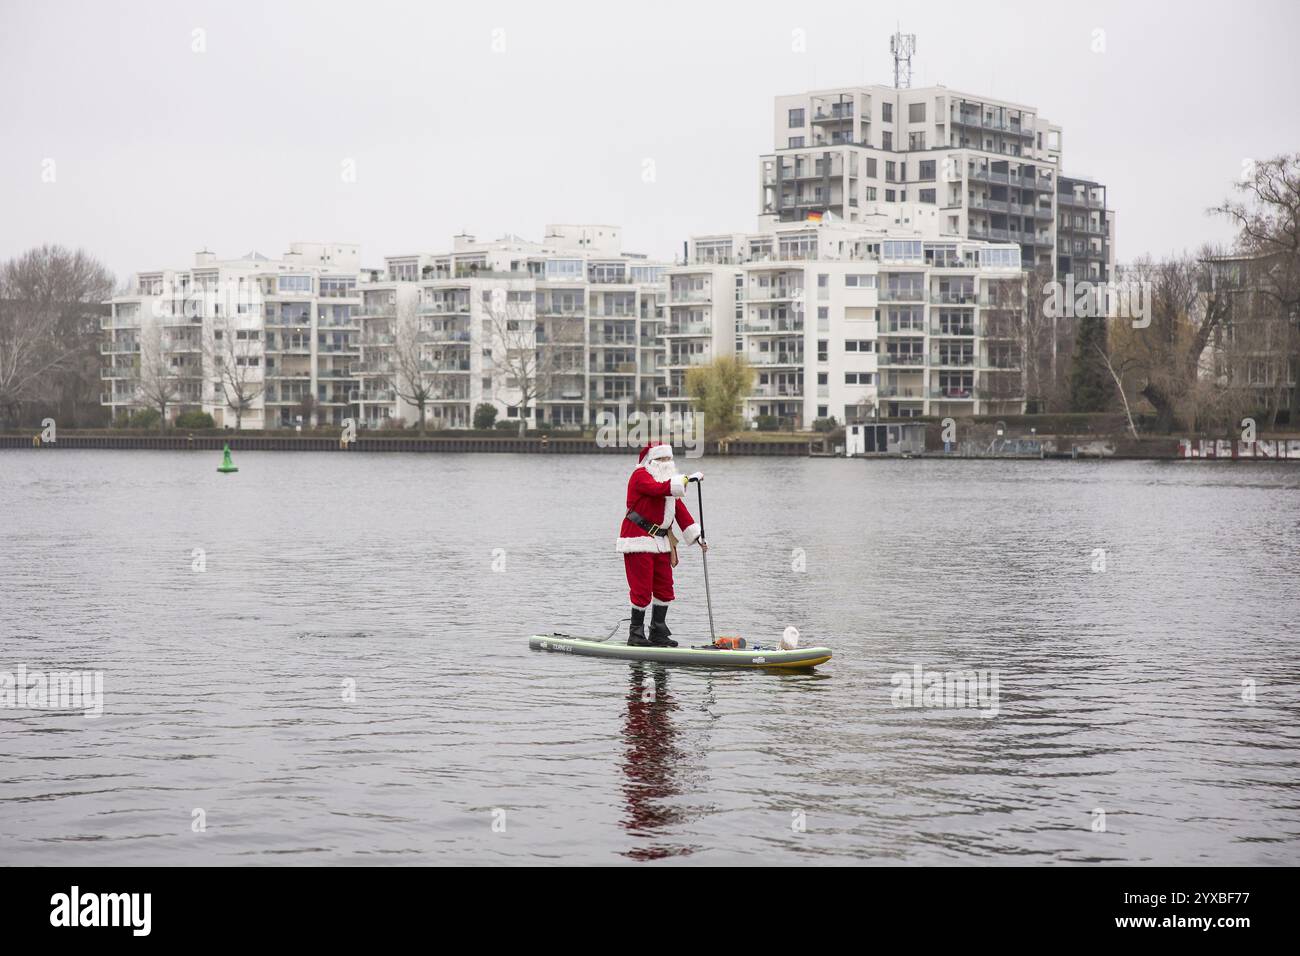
point(661, 469)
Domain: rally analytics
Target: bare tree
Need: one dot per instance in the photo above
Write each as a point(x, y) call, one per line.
point(157, 384)
point(1119, 387)
point(1163, 361)
point(49, 303)
point(415, 374)
point(1267, 218)
point(242, 382)
point(527, 369)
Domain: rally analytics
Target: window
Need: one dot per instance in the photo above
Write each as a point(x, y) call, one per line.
point(891, 174)
point(890, 195)
point(928, 196)
point(887, 141)
point(916, 141)
point(294, 284)
point(871, 167)
point(564, 269)
point(887, 112)
point(871, 194)
point(926, 172)
point(823, 280)
point(822, 378)
point(822, 410)
point(795, 142)
point(859, 345)
point(916, 112)
point(822, 352)
point(860, 281)
point(796, 119)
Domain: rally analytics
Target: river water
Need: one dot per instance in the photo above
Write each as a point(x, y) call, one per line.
point(341, 673)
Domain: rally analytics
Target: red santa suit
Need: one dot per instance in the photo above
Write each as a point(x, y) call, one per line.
point(656, 497)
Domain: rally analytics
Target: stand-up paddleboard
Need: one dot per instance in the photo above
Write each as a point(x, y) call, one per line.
point(800, 658)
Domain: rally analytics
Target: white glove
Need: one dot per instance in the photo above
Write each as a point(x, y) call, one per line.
point(698, 476)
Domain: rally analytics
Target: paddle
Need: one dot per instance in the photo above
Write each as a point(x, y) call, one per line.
point(699, 502)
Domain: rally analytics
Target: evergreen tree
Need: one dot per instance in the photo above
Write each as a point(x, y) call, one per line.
point(1091, 387)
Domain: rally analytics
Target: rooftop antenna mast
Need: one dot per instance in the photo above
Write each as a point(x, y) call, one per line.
point(902, 45)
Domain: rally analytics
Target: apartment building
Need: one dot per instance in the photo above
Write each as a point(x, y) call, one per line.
point(984, 168)
point(843, 320)
point(257, 340)
point(703, 313)
point(1253, 350)
point(556, 331)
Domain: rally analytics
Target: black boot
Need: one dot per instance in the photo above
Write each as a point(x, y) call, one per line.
point(636, 632)
point(659, 627)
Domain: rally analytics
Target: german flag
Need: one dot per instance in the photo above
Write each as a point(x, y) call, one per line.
point(814, 217)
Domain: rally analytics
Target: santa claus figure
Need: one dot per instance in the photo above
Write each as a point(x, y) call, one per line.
point(648, 542)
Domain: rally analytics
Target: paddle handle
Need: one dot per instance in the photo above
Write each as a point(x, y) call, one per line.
point(708, 596)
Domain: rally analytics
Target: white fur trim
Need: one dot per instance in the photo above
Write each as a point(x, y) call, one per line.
point(642, 544)
point(692, 533)
point(646, 608)
point(659, 451)
point(679, 486)
point(655, 600)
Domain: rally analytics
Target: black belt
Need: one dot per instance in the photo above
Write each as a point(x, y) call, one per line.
point(647, 526)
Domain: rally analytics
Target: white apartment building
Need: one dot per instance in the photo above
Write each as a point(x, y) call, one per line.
point(704, 310)
point(987, 168)
point(574, 316)
point(270, 338)
point(843, 320)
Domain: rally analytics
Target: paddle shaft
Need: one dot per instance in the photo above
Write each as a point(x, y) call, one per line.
point(708, 597)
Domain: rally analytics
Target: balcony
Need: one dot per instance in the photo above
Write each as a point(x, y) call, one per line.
point(777, 391)
point(836, 114)
point(953, 297)
point(443, 335)
point(288, 321)
point(119, 348)
point(774, 294)
point(952, 329)
point(689, 328)
point(902, 294)
point(116, 372)
point(689, 361)
point(443, 308)
point(773, 327)
point(887, 359)
point(776, 358)
point(952, 360)
point(954, 393)
point(901, 391)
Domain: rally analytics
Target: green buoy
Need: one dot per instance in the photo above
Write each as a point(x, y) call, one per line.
point(227, 466)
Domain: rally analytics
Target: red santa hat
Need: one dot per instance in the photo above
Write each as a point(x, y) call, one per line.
point(654, 450)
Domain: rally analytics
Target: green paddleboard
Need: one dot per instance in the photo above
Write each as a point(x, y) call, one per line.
point(614, 649)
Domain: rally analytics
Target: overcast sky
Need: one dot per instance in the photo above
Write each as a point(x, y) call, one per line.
point(159, 150)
